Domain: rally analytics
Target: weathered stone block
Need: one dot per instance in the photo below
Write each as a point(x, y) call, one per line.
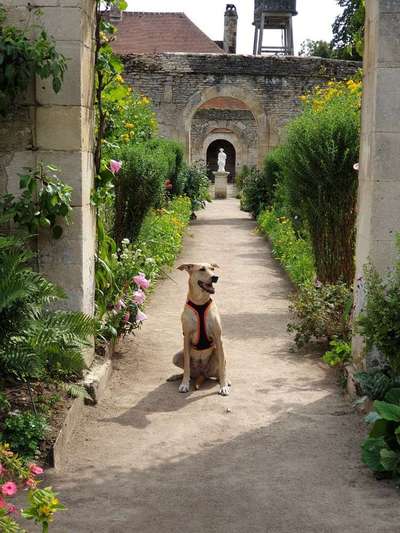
point(389, 24)
point(64, 23)
point(385, 165)
point(69, 261)
point(59, 128)
point(387, 110)
point(70, 93)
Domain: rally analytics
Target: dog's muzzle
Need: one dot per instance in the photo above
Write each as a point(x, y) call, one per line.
point(208, 287)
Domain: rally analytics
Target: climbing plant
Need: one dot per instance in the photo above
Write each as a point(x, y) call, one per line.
point(45, 201)
point(22, 57)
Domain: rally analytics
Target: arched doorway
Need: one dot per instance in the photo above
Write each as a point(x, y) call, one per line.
point(212, 158)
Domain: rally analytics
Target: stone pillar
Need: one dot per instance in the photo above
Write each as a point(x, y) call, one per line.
point(65, 138)
point(59, 129)
point(230, 29)
point(379, 176)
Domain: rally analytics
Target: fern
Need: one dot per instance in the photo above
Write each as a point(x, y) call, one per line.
point(33, 339)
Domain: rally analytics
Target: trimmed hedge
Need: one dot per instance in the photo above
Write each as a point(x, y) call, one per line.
point(141, 183)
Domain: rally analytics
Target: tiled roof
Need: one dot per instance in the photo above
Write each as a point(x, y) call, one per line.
point(151, 33)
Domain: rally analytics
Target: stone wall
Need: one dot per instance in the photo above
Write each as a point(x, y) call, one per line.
point(58, 129)
point(179, 84)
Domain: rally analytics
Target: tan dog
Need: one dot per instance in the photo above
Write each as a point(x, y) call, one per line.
point(203, 355)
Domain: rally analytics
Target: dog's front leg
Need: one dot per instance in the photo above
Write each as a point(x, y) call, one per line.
point(185, 385)
point(223, 382)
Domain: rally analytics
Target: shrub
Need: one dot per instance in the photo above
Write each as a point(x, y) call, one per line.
point(157, 245)
point(255, 193)
point(293, 252)
point(317, 163)
point(34, 340)
point(375, 383)
point(24, 431)
point(140, 184)
point(379, 322)
point(196, 185)
point(272, 170)
point(339, 353)
point(381, 450)
point(321, 312)
point(241, 176)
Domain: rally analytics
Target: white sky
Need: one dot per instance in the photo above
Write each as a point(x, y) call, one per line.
point(314, 20)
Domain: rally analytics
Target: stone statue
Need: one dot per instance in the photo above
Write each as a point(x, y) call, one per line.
point(221, 160)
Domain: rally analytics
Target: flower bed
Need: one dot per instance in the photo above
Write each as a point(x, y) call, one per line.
point(294, 253)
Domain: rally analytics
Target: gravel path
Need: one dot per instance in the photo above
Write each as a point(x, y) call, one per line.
point(279, 455)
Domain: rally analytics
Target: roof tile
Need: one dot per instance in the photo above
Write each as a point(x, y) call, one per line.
point(151, 33)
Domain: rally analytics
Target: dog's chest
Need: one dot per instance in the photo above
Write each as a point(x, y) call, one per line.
point(199, 327)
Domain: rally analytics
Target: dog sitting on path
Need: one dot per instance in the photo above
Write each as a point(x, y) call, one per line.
point(203, 355)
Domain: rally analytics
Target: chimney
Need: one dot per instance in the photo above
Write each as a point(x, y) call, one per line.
point(230, 29)
point(115, 14)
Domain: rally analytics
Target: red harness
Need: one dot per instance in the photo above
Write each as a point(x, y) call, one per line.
point(202, 341)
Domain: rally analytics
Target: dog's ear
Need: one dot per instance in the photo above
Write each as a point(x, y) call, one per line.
point(187, 266)
point(214, 265)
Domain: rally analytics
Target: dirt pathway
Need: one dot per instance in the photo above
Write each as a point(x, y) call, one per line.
point(284, 459)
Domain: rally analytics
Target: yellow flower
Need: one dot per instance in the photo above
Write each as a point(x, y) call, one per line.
point(119, 78)
point(45, 510)
point(145, 100)
point(129, 125)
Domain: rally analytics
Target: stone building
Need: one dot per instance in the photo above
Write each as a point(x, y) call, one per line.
point(207, 96)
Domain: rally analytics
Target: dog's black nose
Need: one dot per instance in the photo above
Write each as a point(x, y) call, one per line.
point(214, 279)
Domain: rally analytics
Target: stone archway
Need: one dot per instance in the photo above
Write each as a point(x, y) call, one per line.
point(251, 102)
point(212, 158)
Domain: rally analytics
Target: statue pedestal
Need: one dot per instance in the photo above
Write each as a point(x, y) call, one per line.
point(221, 185)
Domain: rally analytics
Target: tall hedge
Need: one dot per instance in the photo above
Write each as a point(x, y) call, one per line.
point(321, 149)
point(141, 183)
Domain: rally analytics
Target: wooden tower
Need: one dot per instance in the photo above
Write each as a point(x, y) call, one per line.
point(274, 15)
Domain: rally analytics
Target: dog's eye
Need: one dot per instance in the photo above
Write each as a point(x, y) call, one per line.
point(202, 269)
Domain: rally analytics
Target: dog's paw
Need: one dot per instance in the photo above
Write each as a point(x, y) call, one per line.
point(224, 391)
point(184, 387)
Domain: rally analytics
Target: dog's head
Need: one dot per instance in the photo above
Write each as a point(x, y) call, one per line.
point(201, 275)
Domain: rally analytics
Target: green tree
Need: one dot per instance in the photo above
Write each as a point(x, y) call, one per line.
point(348, 30)
point(312, 48)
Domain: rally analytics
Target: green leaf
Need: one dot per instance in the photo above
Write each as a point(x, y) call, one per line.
point(390, 460)
point(388, 411)
point(371, 453)
point(122, 5)
point(379, 429)
point(57, 232)
point(393, 396)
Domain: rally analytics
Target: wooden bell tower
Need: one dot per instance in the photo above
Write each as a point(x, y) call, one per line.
point(274, 15)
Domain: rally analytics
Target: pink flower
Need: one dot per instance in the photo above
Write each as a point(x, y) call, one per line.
point(140, 317)
point(141, 281)
point(126, 318)
point(139, 297)
point(9, 488)
point(35, 469)
point(31, 483)
point(115, 166)
point(120, 305)
point(11, 508)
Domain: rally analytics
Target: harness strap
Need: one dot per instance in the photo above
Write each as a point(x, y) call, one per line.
point(202, 340)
